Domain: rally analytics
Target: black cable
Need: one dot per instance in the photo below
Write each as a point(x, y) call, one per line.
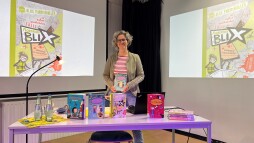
point(188, 135)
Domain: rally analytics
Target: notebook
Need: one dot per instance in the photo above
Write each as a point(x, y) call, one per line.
point(141, 103)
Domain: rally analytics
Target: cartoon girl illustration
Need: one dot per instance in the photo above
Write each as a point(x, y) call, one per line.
point(100, 112)
point(94, 109)
point(81, 109)
point(120, 109)
point(68, 111)
point(74, 112)
point(211, 67)
point(21, 64)
point(152, 112)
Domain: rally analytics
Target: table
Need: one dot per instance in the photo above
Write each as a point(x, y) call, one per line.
point(131, 122)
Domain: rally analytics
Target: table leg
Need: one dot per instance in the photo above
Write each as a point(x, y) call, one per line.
point(209, 134)
point(173, 135)
point(11, 136)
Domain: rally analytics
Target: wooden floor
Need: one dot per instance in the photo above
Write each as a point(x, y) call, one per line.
point(150, 136)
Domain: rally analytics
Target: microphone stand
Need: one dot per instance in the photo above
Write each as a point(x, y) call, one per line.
point(27, 83)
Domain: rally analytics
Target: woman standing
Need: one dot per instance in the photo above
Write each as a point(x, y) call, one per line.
point(125, 62)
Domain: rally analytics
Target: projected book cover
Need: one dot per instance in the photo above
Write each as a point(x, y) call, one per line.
point(33, 34)
point(230, 40)
point(38, 32)
point(217, 42)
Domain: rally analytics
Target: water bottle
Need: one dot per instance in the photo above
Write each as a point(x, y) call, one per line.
point(49, 110)
point(38, 109)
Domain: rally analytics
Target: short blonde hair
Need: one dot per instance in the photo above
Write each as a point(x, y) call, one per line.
point(127, 35)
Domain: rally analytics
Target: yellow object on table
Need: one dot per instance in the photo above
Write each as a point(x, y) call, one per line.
point(31, 123)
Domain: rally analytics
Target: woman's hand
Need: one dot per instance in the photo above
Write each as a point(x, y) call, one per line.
point(125, 89)
point(113, 89)
point(107, 97)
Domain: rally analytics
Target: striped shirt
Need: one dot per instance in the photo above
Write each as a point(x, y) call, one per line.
point(120, 66)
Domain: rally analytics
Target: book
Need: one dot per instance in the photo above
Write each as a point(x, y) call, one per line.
point(155, 105)
point(118, 105)
point(96, 105)
point(180, 112)
point(75, 106)
point(181, 117)
point(120, 81)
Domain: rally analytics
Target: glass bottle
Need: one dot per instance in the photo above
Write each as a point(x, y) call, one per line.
point(49, 110)
point(38, 109)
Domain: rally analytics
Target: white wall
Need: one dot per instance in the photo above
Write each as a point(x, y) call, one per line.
point(228, 103)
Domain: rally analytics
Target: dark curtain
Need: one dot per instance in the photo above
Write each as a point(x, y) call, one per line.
point(143, 21)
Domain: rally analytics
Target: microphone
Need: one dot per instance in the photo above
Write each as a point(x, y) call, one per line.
point(27, 83)
point(56, 59)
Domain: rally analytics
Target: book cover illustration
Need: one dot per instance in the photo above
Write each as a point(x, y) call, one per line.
point(118, 105)
point(120, 81)
point(155, 105)
point(75, 106)
point(38, 32)
point(96, 105)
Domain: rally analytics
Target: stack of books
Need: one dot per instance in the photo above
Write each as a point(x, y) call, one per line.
point(180, 114)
